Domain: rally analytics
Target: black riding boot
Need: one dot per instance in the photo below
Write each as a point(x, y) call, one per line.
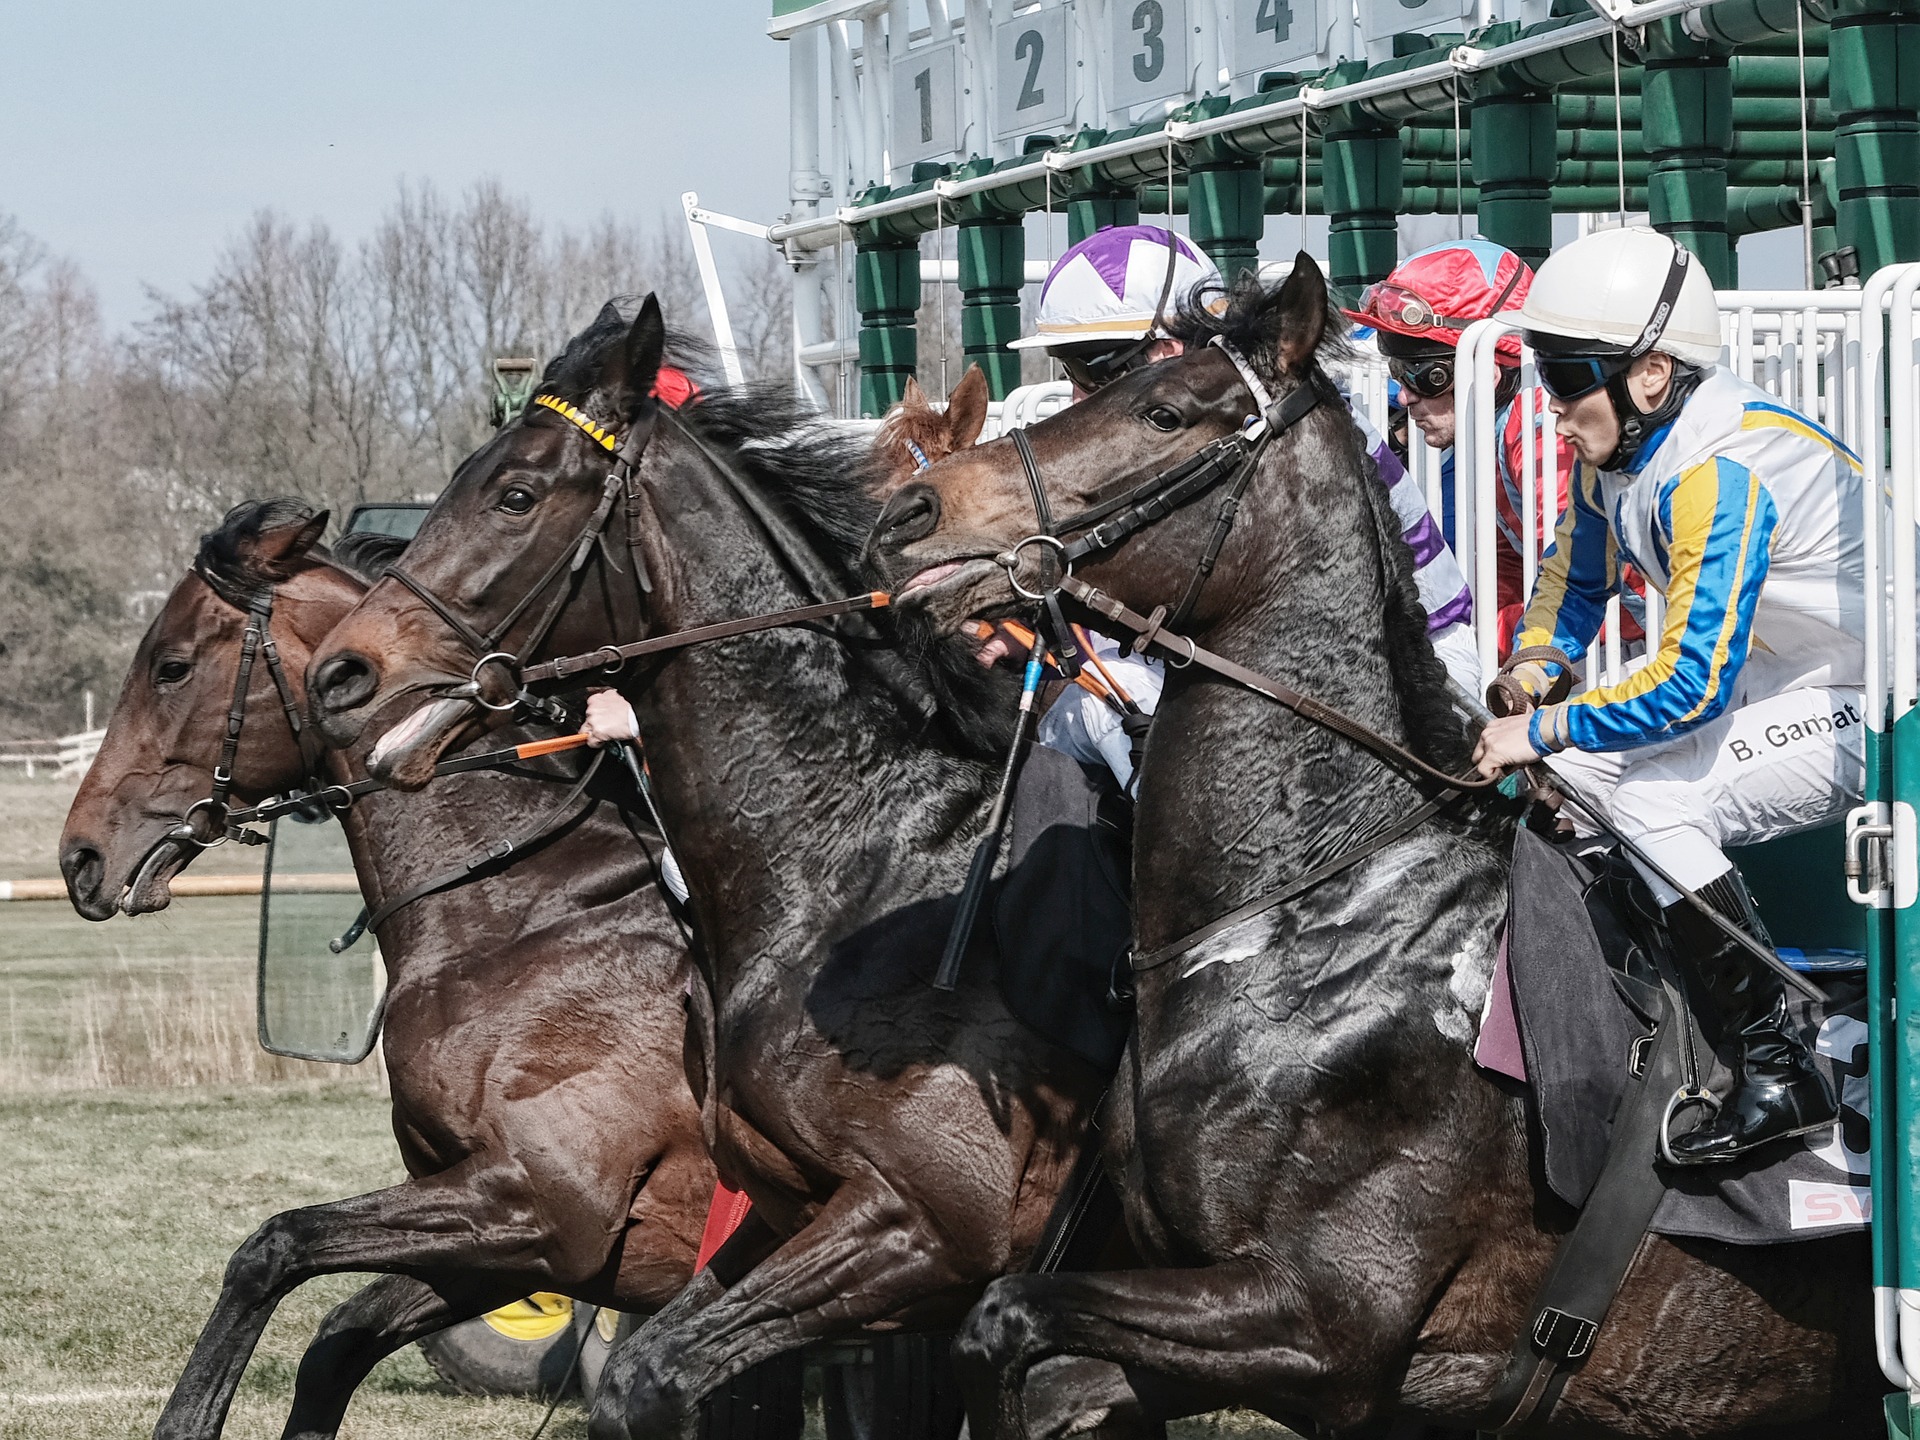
point(1777, 1089)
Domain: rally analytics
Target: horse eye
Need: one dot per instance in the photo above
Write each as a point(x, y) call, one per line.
point(172, 672)
point(516, 501)
point(1163, 417)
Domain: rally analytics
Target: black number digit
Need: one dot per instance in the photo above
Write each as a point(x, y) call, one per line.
point(1030, 47)
point(1277, 16)
point(923, 86)
point(1151, 18)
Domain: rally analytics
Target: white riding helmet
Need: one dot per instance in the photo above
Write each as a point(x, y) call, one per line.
point(1607, 287)
point(1117, 284)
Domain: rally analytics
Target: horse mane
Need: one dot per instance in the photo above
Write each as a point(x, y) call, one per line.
point(230, 563)
point(367, 554)
point(1249, 321)
point(574, 374)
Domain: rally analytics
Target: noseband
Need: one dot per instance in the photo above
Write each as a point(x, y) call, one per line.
point(487, 647)
point(1232, 460)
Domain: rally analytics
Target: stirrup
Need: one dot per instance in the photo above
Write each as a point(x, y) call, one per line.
point(1686, 1095)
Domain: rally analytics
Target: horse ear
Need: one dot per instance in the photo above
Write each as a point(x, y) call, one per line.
point(914, 398)
point(967, 408)
point(1300, 315)
point(276, 549)
point(635, 364)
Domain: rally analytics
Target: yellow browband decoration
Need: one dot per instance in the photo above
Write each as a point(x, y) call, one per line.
point(560, 407)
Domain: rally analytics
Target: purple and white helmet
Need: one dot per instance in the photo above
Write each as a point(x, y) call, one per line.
point(1109, 286)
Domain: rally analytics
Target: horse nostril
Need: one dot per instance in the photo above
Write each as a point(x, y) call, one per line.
point(84, 868)
point(912, 514)
point(344, 682)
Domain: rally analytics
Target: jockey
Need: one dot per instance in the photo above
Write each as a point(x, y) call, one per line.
point(1419, 312)
point(1102, 314)
point(1747, 722)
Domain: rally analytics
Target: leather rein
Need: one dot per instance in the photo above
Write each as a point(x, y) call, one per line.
point(1230, 461)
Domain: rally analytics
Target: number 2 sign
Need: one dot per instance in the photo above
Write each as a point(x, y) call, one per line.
point(926, 103)
point(1149, 45)
point(1034, 89)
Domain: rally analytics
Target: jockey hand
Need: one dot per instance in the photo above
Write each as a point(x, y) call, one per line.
point(610, 719)
point(1504, 745)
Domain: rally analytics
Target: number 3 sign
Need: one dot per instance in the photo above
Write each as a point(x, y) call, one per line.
point(1149, 48)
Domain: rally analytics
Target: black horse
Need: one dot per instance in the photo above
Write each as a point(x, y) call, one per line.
point(1342, 1219)
point(902, 1146)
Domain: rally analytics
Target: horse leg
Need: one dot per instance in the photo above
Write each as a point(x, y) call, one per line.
point(863, 1258)
point(472, 1217)
point(370, 1325)
point(1225, 1331)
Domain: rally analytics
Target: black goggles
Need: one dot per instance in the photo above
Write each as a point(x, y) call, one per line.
point(1092, 367)
point(1428, 379)
point(1568, 377)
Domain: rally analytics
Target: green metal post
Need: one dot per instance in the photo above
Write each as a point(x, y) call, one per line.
point(1514, 158)
point(1874, 50)
point(1093, 210)
point(1224, 205)
point(993, 257)
point(1360, 168)
point(886, 287)
point(1687, 130)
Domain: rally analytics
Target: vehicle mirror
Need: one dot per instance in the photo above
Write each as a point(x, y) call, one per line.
point(322, 986)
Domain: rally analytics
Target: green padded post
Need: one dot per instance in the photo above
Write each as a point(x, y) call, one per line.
point(1360, 170)
point(1687, 130)
point(1874, 68)
point(1514, 156)
point(1092, 210)
point(886, 287)
point(1224, 213)
point(993, 257)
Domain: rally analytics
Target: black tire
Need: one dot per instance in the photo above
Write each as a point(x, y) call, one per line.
point(598, 1331)
point(908, 1393)
point(521, 1349)
point(766, 1403)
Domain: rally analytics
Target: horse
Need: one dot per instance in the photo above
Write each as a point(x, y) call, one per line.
point(913, 435)
point(1342, 1219)
point(534, 1021)
point(822, 789)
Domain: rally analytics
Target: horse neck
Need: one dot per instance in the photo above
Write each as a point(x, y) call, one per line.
point(1239, 794)
point(779, 765)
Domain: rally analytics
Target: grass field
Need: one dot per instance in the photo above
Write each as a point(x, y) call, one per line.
point(144, 1135)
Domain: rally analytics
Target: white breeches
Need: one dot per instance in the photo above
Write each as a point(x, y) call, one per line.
point(1781, 763)
point(1089, 729)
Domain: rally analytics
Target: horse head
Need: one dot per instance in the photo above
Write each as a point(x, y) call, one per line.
point(152, 799)
point(942, 535)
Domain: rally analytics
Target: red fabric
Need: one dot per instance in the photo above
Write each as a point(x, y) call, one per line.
point(727, 1208)
point(1453, 281)
point(673, 387)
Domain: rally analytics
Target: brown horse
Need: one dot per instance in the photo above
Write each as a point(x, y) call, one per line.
point(535, 1015)
point(902, 1145)
point(1341, 1216)
point(914, 435)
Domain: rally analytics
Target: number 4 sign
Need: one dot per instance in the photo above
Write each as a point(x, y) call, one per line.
point(1034, 88)
point(926, 103)
point(1274, 34)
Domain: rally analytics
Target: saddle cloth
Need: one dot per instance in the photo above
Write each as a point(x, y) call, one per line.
point(1061, 916)
point(1564, 1013)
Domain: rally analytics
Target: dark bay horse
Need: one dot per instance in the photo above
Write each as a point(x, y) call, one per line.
point(535, 1020)
point(823, 792)
point(1342, 1218)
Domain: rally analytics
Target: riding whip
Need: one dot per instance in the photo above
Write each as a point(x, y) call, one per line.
point(981, 870)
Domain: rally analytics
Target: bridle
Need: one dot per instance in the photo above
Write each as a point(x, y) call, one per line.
point(1231, 461)
point(488, 647)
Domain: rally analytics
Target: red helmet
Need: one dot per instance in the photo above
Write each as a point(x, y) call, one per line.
point(1436, 294)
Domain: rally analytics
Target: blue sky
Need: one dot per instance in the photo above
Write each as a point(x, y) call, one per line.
point(141, 136)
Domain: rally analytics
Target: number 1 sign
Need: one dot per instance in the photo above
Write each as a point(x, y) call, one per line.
point(1034, 85)
point(1149, 48)
point(926, 103)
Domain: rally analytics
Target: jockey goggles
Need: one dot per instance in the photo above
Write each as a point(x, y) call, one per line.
point(1568, 377)
point(1426, 379)
point(1093, 367)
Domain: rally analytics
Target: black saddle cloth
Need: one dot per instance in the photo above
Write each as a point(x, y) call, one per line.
point(1061, 915)
point(1582, 1002)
